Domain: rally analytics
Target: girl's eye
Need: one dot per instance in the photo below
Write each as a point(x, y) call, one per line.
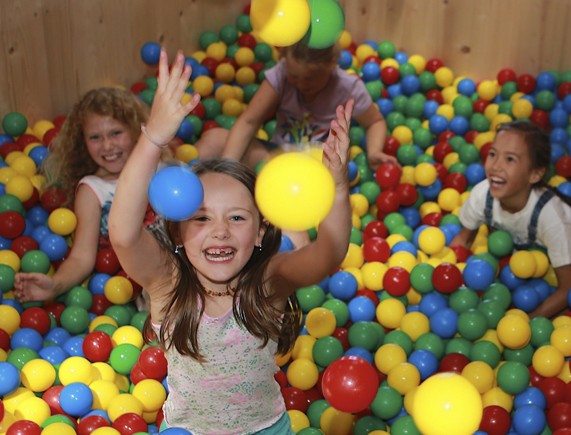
point(200, 218)
point(117, 132)
point(237, 218)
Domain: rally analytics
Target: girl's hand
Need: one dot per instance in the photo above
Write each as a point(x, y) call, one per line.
point(167, 112)
point(336, 147)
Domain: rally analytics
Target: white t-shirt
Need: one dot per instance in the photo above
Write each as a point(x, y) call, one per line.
point(553, 226)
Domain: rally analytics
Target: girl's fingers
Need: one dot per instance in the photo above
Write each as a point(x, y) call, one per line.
point(189, 107)
point(175, 73)
point(163, 70)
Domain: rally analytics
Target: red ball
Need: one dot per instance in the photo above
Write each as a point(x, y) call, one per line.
point(563, 166)
point(462, 253)
point(480, 105)
point(49, 136)
point(484, 151)
point(138, 87)
point(199, 110)
point(89, 424)
point(456, 181)
point(210, 65)
point(446, 135)
point(390, 75)
point(407, 194)
point(540, 118)
point(506, 75)
point(391, 146)
point(388, 202)
point(137, 374)
point(433, 64)
point(441, 150)
point(342, 334)
point(208, 124)
point(32, 200)
point(471, 136)
point(295, 398)
point(453, 362)
point(388, 176)
point(58, 121)
point(368, 294)
point(372, 58)
point(563, 90)
point(247, 40)
point(12, 224)
point(27, 139)
point(375, 228)
point(376, 249)
point(153, 363)
point(99, 305)
point(8, 147)
point(130, 423)
point(534, 377)
point(281, 378)
point(435, 95)
point(4, 340)
point(24, 427)
point(553, 389)
point(257, 67)
point(432, 219)
point(447, 278)
point(313, 394)
point(97, 346)
point(559, 416)
point(441, 171)
point(52, 198)
point(350, 384)
point(396, 281)
point(23, 244)
point(526, 83)
point(36, 318)
point(107, 261)
point(495, 420)
point(51, 397)
point(55, 309)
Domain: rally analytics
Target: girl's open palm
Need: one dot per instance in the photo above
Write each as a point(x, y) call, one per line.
point(336, 147)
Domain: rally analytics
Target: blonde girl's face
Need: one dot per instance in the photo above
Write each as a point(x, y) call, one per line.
point(220, 238)
point(510, 172)
point(109, 143)
point(309, 78)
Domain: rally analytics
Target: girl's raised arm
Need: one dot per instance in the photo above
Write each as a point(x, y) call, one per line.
point(136, 248)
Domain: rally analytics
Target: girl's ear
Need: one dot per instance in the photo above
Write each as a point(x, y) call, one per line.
point(262, 231)
point(536, 175)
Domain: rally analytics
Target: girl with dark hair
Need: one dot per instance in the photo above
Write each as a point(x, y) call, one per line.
point(221, 295)
point(516, 198)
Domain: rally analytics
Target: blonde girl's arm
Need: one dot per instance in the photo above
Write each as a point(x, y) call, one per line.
point(311, 263)
point(557, 302)
point(80, 262)
point(464, 238)
point(246, 127)
point(137, 249)
point(376, 129)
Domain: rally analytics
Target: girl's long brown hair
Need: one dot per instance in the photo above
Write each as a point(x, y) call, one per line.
point(252, 306)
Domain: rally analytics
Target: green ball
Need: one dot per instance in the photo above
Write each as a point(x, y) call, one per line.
point(456, 142)
point(414, 107)
point(315, 410)
point(361, 158)
point(322, 32)
point(249, 91)
point(370, 190)
point(412, 123)
point(58, 418)
point(270, 127)
point(487, 352)
point(469, 154)
point(499, 293)
point(231, 50)
point(14, 124)
point(366, 219)
point(427, 81)
point(406, 69)
point(421, 278)
point(386, 49)
point(505, 108)
point(479, 122)
point(310, 297)
point(225, 121)
point(212, 108)
point(356, 236)
point(565, 76)
point(263, 52)
point(75, 320)
point(399, 103)
point(147, 95)
point(152, 83)
point(500, 243)
point(6, 278)
point(458, 345)
point(472, 324)
point(508, 89)
point(196, 123)
point(493, 312)
point(450, 219)
point(229, 34)
point(541, 329)
point(545, 100)
point(407, 155)
point(457, 167)
point(326, 350)
point(393, 221)
point(463, 106)
point(523, 355)
point(123, 357)
point(243, 23)
point(394, 119)
point(339, 310)
point(399, 338)
point(431, 342)
point(387, 403)
point(513, 377)
point(138, 320)
point(107, 328)
point(366, 335)
point(404, 425)
point(357, 135)
point(19, 356)
point(424, 158)
point(463, 299)
point(404, 230)
point(310, 431)
point(79, 296)
point(207, 38)
point(9, 202)
point(422, 137)
point(368, 424)
point(120, 313)
point(375, 89)
point(365, 173)
point(35, 261)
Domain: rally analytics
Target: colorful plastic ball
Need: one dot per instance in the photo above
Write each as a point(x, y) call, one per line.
point(390, 313)
point(150, 53)
point(151, 393)
point(75, 369)
point(123, 357)
point(38, 375)
point(513, 377)
point(295, 191)
point(320, 322)
point(278, 22)
point(431, 240)
point(75, 319)
point(118, 290)
point(478, 274)
point(14, 124)
point(447, 403)
point(446, 278)
point(62, 221)
point(303, 374)
point(523, 264)
point(350, 384)
point(396, 281)
point(495, 420)
point(9, 378)
point(54, 246)
point(175, 193)
point(97, 346)
point(76, 399)
point(327, 21)
point(361, 309)
point(528, 420)
point(548, 361)
point(24, 427)
point(88, 424)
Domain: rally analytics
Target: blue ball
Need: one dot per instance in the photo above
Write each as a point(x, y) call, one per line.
point(353, 170)
point(466, 87)
point(459, 125)
point(74, 346)
point(559, 118)
point(9, 378)
point(437, 124)
point(530, 396)
point(478, 274)
point(27, 337)
point(559, 136)
point(475, 173)
point(38, 154)
point(54, 246)
point(444, 322)
point(411, 216)
point(361, 309)
point(394, 90)
point(37, 215)
point(401, 57)
point(385, 105)
point(76, 399)
point(371, 71)
point(525, 298)
point(185, 130)
point(40, 232)
point(175, 431)
point(508, 278)
point(57, 335)
point(545, 81)
point(345, 59)
point(430, 108)
point(175, 192)
point(97, 283)
point(565, 188)
point(567, 103)
point(53, 354)
point(343, 285)
point(432, 302)
point(404, 245)
point(425, 361)
point(151, 53)
point(410, 84)
point(361, 352)
point(529, 420)
point(286, 244)
point(431, 192)
point(5, 243)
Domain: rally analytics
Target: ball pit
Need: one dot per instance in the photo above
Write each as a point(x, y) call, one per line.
point(377, 333)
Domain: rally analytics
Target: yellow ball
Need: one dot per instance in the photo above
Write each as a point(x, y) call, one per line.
point(333, 421)
point(118, 290)
point(151, 394)
point(232, 107)
point(224, 92)
point(298, 420)
point(373, 273)
point(105, 430)
point(522, 108)
point(498, 397)
point(447, 403)
point(513, 331)
point(500, 118)
point(389, 356)
point(425, 174)
point(104, 372)
point(102, 320)
point(480, 375)
point(390, 312)
point(186, 152)
point(561, 339)
point(24, 165)
point(523, 264)
point(303, 347)
point(217, 50)
point(59, 428)
point(38, 375)
point(6, 173)
point(354, 257)
point(403, 377)
point(280, 22)
point(363, 51)
point(487, 90)
point(320, 322)
point(402, 259)
point(225, 72)
point(294, 191)
point(75, 369)
point(541, 263)
point(302, 373)
point(244, 56)
point(10, 258)
point(203, 85)
point(62, 221)
point(127, 334)
point(9, 319)
point(415, 324)
point(20, 186)
point(548, 361)
point(418, 61)
point(403, 134)
point(123, 403)
point(41, 127)
point(444, 76)
point(103, 392)
point(449, 199)
point(245, 76)
point(359, 204)
point(446, 110)
point(345, 39)
point(431, 240)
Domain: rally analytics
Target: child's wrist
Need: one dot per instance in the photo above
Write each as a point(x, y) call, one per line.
point(150, 138)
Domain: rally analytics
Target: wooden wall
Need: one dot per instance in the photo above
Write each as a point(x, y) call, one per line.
point(55, 50)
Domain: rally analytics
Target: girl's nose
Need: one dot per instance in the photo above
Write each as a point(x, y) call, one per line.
point(220, 231)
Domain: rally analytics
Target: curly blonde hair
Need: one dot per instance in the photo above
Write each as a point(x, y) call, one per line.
point(68, 159)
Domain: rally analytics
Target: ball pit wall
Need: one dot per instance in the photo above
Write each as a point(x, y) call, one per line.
point(54, 51)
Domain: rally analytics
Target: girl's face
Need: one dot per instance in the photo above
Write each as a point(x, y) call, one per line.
point(109, 143)
point(509, 171)
point(220, 238)
point(309, 79)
